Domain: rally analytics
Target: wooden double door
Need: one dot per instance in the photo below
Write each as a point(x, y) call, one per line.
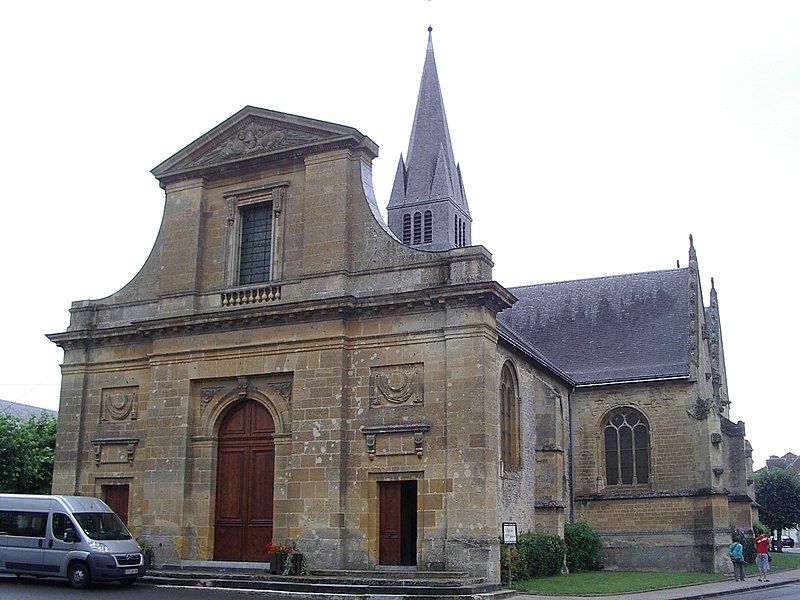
point(245, 483)
point(398, 522)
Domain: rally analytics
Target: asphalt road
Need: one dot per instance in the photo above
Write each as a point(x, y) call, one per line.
point(790, 591)
point(12, 588)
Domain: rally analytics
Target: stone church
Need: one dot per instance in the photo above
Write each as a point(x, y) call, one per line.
point(288, 367)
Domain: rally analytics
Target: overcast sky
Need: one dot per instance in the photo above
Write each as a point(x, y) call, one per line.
point(593, 138)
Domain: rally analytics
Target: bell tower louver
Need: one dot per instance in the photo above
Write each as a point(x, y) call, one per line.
point(428, 207)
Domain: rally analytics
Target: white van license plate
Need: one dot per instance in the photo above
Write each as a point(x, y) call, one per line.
point(131, 571)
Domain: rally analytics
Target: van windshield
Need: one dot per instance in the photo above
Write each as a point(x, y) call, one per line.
point(102, 526)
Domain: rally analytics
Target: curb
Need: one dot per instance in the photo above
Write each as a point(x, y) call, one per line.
point(750, 588)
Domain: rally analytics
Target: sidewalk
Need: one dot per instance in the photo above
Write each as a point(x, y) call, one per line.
point(703, 590)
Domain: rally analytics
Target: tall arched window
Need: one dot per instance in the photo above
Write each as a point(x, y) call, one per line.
point(509, 419)
point(626, 439)
point(407, 229)
point(455, 229)
point(417, 228)
point(428, 227)
point(463, 233)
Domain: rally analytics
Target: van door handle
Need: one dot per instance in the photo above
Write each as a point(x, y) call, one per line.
point(40, 543)
point(49, 543)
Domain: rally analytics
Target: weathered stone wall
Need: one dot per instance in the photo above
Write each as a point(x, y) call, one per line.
point(681, 501)
point(355, 309)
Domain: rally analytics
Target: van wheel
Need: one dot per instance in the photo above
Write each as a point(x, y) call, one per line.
point(78, 575)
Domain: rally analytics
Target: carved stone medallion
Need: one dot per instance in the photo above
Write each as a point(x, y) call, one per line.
point(119, 404)
point(397, 384)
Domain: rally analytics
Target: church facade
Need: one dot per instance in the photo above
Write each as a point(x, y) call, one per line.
point(287, 367)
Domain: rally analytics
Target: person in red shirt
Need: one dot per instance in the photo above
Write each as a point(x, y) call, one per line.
point(762, 556)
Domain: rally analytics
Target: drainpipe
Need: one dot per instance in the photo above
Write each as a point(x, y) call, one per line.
point(571, 477)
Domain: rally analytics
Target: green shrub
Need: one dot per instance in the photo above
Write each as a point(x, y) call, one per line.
point(749, 548)
point(539, 554)
point(583, 547)
point(147, 552)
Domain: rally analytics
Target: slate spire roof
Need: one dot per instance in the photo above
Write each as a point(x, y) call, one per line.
point(429, 171)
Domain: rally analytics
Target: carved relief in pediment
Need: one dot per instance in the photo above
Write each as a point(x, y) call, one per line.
point(251, 139)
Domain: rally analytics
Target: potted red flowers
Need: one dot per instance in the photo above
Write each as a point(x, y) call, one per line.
point(277, 557)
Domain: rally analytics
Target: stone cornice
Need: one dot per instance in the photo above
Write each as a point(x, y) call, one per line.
point(649, 495)
point(489, 294)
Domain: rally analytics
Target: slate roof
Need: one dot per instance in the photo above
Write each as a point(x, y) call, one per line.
point(23, 411)
point(608, 329)
point(430, 171)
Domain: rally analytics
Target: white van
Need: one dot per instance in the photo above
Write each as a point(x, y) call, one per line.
point(75, 537)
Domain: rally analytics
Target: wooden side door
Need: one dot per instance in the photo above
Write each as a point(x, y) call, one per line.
point(390, 522)
point(116, 496)
point(245, 484)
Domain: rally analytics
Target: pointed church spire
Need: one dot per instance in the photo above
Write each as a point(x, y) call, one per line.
point(430, 180)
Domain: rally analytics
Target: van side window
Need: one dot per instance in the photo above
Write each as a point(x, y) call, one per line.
point(22, 523)
point(61, 523)
point(6, 523)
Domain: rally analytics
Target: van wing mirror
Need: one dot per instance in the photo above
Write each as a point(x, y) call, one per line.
point(70, 536)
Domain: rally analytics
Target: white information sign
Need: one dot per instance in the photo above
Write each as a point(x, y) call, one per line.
point(509, 533)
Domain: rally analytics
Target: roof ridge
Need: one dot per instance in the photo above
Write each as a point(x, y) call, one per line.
point(533, 285)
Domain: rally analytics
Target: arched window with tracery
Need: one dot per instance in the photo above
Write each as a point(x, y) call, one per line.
point(626, 440)
point(509, 419)
point(417, 228)
point(406, 228)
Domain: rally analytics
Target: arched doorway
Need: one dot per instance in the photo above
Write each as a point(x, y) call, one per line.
point(245, 481)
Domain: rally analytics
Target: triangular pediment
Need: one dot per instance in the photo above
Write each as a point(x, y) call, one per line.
point(255, 133)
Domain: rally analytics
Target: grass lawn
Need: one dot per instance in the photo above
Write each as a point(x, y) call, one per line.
point(610, 582)
point(619, 582)
point(781, 561)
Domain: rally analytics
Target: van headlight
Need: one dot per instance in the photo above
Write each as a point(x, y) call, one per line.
point(99, 546)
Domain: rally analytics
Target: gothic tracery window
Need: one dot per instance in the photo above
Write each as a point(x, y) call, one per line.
point(509, 420)
point(626, 440)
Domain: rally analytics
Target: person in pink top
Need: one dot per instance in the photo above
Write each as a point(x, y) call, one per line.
point(762, 556)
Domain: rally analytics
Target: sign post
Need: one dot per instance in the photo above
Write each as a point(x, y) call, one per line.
point(509, 539)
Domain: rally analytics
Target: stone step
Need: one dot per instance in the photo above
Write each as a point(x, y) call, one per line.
point(256, 569)
point(314, 589)
point(375, 581)
point(403, 582)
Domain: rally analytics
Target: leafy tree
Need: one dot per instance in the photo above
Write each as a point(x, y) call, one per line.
point(26, 454)
point(778, 496)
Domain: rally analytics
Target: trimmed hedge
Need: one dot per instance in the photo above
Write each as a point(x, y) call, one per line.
point(583, 547)
point(537, 554)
